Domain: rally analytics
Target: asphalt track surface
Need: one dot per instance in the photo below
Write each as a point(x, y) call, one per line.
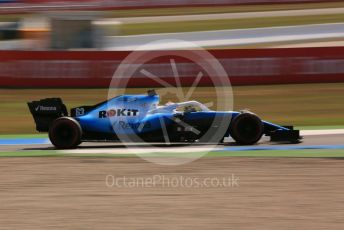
point(312, 140)
point(236, 37)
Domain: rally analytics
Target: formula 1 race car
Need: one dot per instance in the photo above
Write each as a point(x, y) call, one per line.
point(139, 118)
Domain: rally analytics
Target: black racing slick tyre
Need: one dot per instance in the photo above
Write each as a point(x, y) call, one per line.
point(65, 133)
point(246, 129)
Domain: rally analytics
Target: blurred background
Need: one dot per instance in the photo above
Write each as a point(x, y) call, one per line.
point(285, 58)
point(124, 25)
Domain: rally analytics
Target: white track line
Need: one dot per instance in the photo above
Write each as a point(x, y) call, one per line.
point(322, 132)
point(226, 37)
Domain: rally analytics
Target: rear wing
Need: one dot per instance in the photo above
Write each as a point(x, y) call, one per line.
point(45, 111)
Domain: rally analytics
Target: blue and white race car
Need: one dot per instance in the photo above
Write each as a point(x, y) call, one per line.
point(139, 118)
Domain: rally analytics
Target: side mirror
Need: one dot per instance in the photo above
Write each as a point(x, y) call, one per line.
point(151, 92)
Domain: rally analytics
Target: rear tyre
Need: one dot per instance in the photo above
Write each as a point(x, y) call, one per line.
point(246, 129)
point(65, 133)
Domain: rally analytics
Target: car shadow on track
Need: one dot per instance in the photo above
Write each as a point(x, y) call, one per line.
point(120, 146)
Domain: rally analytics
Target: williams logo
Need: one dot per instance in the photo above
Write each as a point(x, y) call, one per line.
point(79, 112)
point(119, 113)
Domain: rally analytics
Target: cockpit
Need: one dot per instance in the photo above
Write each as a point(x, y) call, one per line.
point(182, 107)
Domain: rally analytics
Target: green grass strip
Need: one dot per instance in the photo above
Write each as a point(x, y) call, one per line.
point(218, 9)
point(17, 136)
point(43, 153)
point(225, 24)
point(328, 127)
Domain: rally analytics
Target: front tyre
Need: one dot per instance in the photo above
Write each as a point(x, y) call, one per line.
point(246, 129)
point(65, 133)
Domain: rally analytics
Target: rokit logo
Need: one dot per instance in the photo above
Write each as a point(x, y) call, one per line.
point(119, 113)
point(45, 108)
